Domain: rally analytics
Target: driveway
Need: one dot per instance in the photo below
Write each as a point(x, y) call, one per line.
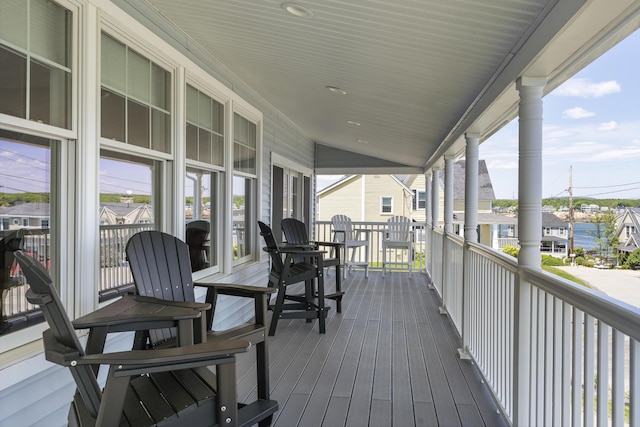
point(620, 284)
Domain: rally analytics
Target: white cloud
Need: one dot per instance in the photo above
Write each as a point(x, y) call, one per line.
point(577, 113)
point(584, 88)
point(607, 126)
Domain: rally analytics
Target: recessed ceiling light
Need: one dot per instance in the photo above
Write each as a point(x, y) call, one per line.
point(337, 90)
point(351, 122)
point(297, 10)
point(363, 141)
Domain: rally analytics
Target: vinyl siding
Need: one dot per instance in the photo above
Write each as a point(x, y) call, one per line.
point(35, 383)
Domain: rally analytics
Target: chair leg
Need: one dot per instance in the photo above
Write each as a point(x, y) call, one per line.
point(321, 311)
point(338, 289)
point(277, 310)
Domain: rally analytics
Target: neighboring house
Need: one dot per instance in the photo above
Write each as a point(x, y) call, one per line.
point(125, 213)
point(628, 229)
point(24, 215)
point(555, 235)
point(374, 198)
point(487, 221)
point(371, 198)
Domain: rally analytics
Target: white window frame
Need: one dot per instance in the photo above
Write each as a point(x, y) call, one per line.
point(382, 205)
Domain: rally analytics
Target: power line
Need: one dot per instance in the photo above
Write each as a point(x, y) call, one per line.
point(610, 192)
point(610, 186)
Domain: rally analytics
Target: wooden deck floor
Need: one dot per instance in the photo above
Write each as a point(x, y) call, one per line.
point(389, 359)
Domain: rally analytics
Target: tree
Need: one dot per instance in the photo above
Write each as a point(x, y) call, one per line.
point(606, 239)
point(634, 259)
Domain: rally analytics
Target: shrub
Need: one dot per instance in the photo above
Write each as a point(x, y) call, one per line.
point(550, 261)
point(633, 260)
point(511, 250)
point(579, 252)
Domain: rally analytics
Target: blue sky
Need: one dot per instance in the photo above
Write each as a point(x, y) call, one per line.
point(591, 123)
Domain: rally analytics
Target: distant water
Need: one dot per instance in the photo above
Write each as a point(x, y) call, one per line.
point(581, 236)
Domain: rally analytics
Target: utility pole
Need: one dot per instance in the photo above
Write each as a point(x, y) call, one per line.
point(570, 212)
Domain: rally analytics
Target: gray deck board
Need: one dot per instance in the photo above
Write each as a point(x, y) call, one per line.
point(389, 359)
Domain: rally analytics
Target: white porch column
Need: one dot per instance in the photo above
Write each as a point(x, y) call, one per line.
point(530, 170)
point(471, 188)
point(529, 234)
point(428, 205)
point(470, 231)
point(435, 196)
point(448, 194)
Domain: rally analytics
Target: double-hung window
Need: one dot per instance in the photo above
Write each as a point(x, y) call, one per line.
point(135, 155)
point(35, 128)
point(245, 139)
point(205, 165)
point(386, 205)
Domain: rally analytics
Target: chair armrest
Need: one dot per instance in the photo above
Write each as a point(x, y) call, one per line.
point(60, 354)
point(238, 290)
point(332, 244)
point(302, 252)
point(166, 356)
point(199, 306)
point(300, 246)
point(132, 313)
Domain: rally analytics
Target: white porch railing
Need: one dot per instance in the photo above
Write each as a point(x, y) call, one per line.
point(553, 352)
point(324, 233)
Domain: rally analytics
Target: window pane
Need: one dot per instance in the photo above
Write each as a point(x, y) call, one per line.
point(160, 87)
point(137, 124)
point(244, 154)
point(208, 115)
point(204, 146)
point(217, 150)
point(138, 75)
point(160, 131)
point(126, 207)
point(50, 31)
point(113, 63)
point(112, 115)
point(192, 105)
point(49, 96)
point(218, 118)
point(201, 231)
point(13, 22)
point(13, 83)
point(242, 217)
point(25, 191)
point(204, 112)
point(192, 142)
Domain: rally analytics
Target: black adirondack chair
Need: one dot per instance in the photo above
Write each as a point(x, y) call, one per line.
point(295, 233)
point(161, 387)
point(161, 268)
point(285, 272)
point(197, 238)
point(10, 242)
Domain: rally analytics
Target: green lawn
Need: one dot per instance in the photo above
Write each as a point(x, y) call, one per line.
point(563, 273)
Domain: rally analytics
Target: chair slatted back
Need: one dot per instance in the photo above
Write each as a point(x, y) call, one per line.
point(398, 229)
point(277, 264)
point(161, 268)
point(42, 292)
point(342, 223)
point(295, 231)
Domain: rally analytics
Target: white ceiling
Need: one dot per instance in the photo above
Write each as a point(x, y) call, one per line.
point(418, 73)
